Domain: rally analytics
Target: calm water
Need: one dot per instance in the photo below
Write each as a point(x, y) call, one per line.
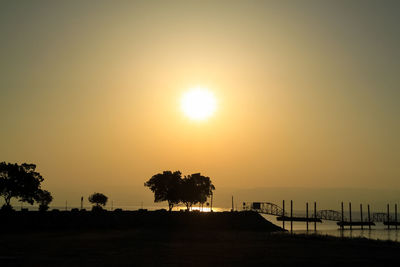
point(377, 232)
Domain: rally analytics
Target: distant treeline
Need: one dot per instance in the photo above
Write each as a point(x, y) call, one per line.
point(23, 182)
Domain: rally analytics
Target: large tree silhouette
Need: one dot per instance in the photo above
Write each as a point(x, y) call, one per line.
point(195, 188)
point(19, 181)
point(166, 187)
point(169, 186)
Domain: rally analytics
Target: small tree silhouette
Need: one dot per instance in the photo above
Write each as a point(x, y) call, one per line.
point(99, 200)
point(43, 198)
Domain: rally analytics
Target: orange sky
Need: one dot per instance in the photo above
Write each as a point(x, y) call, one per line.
point(307, 93)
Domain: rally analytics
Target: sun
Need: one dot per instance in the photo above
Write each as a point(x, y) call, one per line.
point(198, 103)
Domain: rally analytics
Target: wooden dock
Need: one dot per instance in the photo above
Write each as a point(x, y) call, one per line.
point(298, 219)
point(342, 224)
point(365, 220)
point(392, 223)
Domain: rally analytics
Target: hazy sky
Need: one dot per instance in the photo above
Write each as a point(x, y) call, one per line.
point(308, 93)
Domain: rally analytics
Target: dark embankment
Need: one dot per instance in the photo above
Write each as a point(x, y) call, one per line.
point(175, 239)
point(53, 221)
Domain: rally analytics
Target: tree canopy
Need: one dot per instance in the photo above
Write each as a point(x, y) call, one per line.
point(19, 181)
point(165, 187)
point(170, 186)
point(196, 188)
point(98, 199)
point(44, 198)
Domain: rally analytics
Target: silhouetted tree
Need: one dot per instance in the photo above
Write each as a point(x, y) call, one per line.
point(19, 181)
point(188, 192)
point(44, 198)
point(99, 200)
point(195, 188)
point(204, 187)
point(166, 187)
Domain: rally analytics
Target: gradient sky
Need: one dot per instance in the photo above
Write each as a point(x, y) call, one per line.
point(308, 93)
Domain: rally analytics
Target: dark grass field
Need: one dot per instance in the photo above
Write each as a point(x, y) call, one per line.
point(146, 247)
point(150, 246)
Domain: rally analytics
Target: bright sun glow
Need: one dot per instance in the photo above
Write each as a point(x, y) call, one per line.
point(198, 103)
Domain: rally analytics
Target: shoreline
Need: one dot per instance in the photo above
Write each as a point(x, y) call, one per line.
point(33, 220)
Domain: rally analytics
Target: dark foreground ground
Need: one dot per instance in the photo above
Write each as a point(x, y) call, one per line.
point(192, 246)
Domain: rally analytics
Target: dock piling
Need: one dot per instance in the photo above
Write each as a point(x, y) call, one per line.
point(342, 226)
point(369, 219)
point(351, 227)
point(395, 215)
point(361, 216)
point(283, 214)
point(307, 215)
point(388, 217)
point(291, 216)
point(315, 216)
